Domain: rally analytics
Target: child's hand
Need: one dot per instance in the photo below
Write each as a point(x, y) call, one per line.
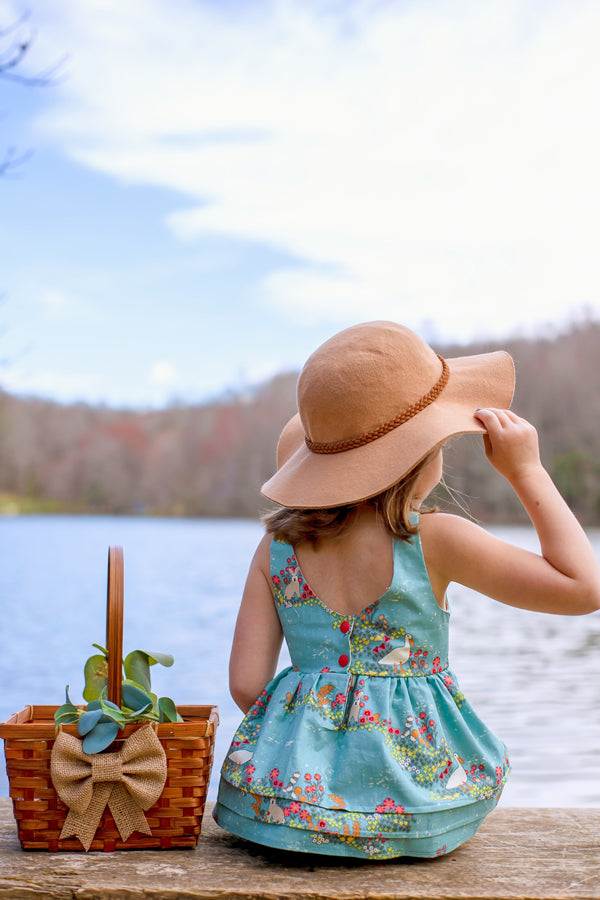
point(511, 443)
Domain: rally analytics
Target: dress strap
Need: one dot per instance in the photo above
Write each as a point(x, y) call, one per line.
point(282, 556)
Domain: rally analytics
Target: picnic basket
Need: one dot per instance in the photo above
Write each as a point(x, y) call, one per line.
point(174, 820)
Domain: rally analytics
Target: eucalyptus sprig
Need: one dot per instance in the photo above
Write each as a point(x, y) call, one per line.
point(100, 723)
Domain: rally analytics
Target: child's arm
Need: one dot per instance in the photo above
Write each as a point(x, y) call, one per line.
point(564, 579)
point(258, 634)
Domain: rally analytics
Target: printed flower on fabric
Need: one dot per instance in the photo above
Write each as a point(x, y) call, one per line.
point(389, 805)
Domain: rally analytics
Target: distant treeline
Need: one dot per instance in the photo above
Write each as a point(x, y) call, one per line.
point(210, 460)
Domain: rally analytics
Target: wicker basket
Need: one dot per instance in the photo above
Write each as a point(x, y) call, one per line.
point(175, 820)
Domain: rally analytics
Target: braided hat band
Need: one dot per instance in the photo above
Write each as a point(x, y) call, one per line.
point(380, 430)
point(352, 394)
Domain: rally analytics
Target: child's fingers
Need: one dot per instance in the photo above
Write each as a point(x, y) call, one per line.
point(513, 416)
point(500, 424)
point(502, 417)
point(491, 418)
point(510, 442)
point(508, 417)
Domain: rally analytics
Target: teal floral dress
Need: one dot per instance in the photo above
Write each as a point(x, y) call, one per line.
point(365, 746)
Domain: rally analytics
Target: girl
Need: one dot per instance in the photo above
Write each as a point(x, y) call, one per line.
point(366, 745)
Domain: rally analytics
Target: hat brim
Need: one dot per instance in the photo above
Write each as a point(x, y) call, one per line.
point(306, 480)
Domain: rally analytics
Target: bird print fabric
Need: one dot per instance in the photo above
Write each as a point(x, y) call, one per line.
point(365, 746)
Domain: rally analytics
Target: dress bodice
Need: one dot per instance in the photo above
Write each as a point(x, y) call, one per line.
point(404, 633)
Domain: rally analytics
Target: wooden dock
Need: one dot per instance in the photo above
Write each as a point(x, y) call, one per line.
point(519, 854)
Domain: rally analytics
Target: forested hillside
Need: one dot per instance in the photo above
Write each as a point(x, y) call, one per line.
point(210, 460)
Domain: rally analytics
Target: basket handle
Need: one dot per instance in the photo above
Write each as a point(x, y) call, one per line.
point(114, 623)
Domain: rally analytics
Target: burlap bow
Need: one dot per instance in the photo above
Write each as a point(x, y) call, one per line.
point(128, 781)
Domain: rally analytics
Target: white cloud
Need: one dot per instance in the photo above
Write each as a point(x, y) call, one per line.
point(55, 302)
point(164, 382)
point(60, 306)
point(164, 374)
point(417, 159)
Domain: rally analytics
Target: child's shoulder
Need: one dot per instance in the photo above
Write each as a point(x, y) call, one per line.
point(439, 523)
point(443, 534)
point(451, 546)
point(262, 555)
point(270, 548)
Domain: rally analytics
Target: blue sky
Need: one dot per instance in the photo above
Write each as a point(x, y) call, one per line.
point(216, 187)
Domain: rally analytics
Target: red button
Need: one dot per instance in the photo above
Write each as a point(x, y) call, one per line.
point(343, 660)
point(345, 627)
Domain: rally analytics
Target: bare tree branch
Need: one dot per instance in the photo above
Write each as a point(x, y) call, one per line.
point(13, 160)
point(13, 50)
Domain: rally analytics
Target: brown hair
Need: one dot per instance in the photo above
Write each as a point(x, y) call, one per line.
point(394, 506)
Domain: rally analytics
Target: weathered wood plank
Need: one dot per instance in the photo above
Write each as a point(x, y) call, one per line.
point(519, 854)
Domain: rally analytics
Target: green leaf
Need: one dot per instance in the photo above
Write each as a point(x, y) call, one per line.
point(96, 677)
point(100, 737)
point(102, 720)
point(100, 703)
point(137, 668)
point(136, 713)
point(66, 714)
point(134, 697)
point(111, 712)
point(89, 720)
point(66, 719)
point(137, 685)
point(165, 659)
point(168, 710)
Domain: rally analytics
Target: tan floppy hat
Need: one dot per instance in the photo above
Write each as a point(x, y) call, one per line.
point(373, 400)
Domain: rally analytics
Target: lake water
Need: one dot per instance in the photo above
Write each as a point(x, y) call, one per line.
point(534, 679)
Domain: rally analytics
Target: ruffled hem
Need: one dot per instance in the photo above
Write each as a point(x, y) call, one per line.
point(382, 835)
